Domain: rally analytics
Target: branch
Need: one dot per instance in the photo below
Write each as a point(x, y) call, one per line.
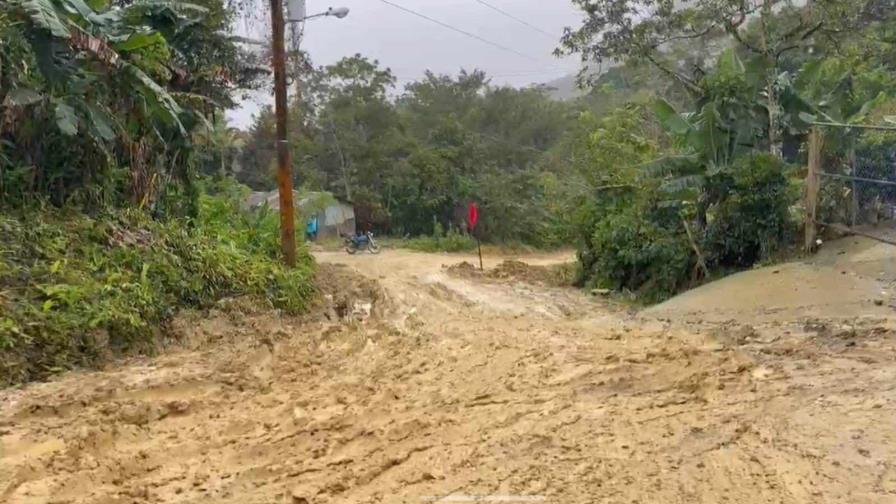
point(803, 37)
point(785, 49)
point(834, 40)
point(683, 37)
point(812, 31)
point(799, 27)
point(731, 28)
point(736, 24)
point(688, 83)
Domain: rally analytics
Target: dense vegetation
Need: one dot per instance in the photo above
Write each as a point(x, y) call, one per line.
point(713, 172)
point(75, 289)
point(683, 161)
point(405, 160)
point(110, 114)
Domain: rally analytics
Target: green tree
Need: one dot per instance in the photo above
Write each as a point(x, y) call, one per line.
point(99, 101)
point(766, 32)
point(218, 147)
point(258, 153)
point(421, 156)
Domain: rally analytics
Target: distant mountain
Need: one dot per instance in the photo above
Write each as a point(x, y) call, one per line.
point(564, 88)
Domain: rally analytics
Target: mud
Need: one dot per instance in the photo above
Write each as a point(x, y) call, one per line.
point(553, 275)
point(456, 387)
point(346, 295)
point(851, 278)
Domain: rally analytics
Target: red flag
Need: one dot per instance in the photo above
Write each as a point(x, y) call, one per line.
point(473, 216)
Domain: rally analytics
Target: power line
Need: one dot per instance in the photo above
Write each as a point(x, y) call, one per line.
point(518, 20)
point(462, 32)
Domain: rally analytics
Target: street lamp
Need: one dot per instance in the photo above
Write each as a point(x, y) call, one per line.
point(284, 168)
point(296, 12)
point(339, 12)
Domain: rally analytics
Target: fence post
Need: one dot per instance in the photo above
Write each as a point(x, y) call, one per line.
point(812, 186)
point(854, 188)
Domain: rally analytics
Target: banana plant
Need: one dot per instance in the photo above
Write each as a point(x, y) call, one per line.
point(70, 41)
point(846, 93)
point(731, 119)
point(92, 80)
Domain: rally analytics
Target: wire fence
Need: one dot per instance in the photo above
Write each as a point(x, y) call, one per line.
point(850, 185)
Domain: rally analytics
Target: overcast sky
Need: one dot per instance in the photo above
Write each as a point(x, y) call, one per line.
point(410, 45)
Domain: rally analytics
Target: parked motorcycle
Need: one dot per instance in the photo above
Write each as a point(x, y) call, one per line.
point(361, 242)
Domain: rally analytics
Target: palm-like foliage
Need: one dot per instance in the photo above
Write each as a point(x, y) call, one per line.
point(77, 48)
point(731, 120)
point(87, 87)
point(218, 140)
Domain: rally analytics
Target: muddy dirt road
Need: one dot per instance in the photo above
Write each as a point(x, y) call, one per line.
point(443, 386)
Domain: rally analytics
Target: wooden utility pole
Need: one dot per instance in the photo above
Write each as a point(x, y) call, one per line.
point(284, 163)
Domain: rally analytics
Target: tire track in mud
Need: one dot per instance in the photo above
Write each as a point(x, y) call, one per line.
point(450, 394)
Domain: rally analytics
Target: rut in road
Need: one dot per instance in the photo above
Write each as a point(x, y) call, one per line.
point(451, 386)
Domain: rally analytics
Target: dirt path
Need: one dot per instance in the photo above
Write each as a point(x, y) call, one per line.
point(468, 388)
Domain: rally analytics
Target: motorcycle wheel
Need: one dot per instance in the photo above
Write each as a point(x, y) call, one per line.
point(373, 248)
point(351, 250)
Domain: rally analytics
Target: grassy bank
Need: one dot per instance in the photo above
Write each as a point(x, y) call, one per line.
point(78, 289)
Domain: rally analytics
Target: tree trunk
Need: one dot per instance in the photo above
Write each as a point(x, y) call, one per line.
point(701, 262)
point(774, 133)
point(701, 210)
point(343, 163)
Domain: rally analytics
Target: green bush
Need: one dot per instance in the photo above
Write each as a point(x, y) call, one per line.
point(753, 219)
point(441, 241)
point(636, 240)
point(74, 288)
point(628, 250)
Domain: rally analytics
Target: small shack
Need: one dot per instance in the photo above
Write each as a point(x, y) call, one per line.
point(335, 218)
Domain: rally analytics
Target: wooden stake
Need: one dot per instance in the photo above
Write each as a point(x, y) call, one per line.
point(479, 245)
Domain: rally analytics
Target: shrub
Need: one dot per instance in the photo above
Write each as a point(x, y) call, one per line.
point(629, 251)
point(452, 241)
point(441, 241)
point(74, 287)
point(752, 220)
point(636, 241)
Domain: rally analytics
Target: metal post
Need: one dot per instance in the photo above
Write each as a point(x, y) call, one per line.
point(284, 169)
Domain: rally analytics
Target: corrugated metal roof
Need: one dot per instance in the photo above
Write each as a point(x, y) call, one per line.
point(332, 215)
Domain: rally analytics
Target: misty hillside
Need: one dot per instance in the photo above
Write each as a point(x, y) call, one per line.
point(564, 88)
